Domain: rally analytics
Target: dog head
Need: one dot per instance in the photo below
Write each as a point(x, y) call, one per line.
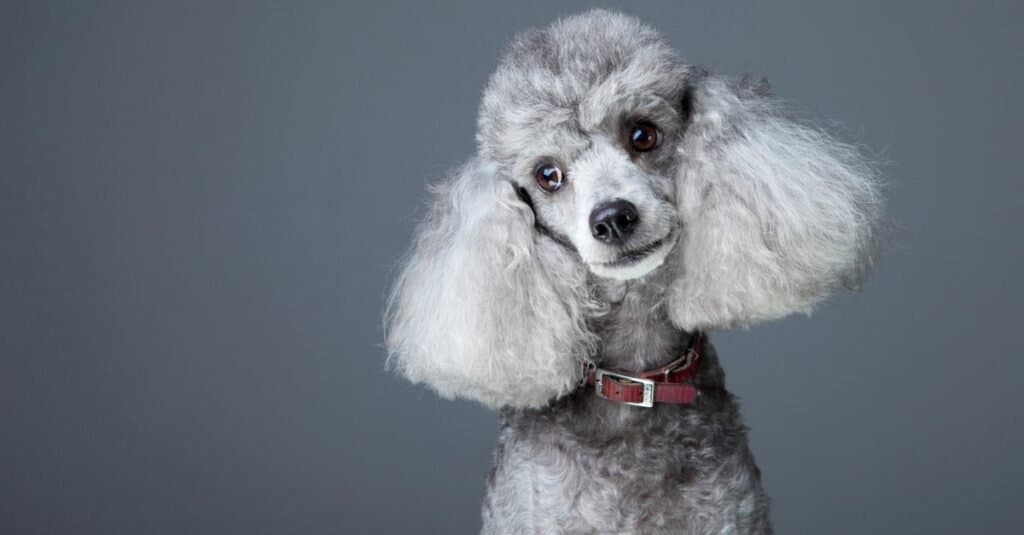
point(602, 155)
point(585, 118)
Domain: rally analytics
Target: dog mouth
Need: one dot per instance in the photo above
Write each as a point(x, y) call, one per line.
point(634, 256)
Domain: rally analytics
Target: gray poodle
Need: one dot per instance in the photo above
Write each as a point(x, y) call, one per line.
point(621, 204)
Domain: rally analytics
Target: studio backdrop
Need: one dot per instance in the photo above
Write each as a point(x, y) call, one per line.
point(203, 204)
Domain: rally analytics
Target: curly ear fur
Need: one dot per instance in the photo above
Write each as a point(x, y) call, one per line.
point(485, 307)
point(776, 214)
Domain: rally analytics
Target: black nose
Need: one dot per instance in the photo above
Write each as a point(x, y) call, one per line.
point(613, 222)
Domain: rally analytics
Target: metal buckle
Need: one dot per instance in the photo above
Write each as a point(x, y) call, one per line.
point(648, 400)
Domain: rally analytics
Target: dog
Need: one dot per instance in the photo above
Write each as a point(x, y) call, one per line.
point(622, 204)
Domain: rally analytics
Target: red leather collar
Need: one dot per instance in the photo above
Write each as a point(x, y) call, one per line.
point(671, 383)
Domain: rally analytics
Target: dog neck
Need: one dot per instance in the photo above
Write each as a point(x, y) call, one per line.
point(636, 333)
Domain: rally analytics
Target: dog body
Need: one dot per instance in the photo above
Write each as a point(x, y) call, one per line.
point(620, 203)
point(588, 465)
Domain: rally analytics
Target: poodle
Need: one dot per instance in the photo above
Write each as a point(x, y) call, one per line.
point(620, 205)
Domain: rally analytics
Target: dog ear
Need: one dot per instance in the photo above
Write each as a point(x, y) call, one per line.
point(485, 307)
point(776, 214)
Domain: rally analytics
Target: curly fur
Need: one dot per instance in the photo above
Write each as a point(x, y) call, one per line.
point(778, 214)
point(746, 215)
point(474, 314)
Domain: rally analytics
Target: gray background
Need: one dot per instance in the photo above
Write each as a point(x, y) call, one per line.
point(201, 207)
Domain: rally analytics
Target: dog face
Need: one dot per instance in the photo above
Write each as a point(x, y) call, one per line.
point(602, 154)
point(587, 126)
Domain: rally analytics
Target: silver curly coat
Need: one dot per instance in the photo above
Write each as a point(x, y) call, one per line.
point(745, 215)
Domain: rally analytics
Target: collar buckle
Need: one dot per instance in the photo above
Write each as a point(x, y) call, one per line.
point(648, 386)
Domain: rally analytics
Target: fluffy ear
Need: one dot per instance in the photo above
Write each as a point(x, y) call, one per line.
point(776, 213)
point(485, 307)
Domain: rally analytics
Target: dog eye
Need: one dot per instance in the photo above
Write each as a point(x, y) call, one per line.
point(644, 137)
point(549, 177)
